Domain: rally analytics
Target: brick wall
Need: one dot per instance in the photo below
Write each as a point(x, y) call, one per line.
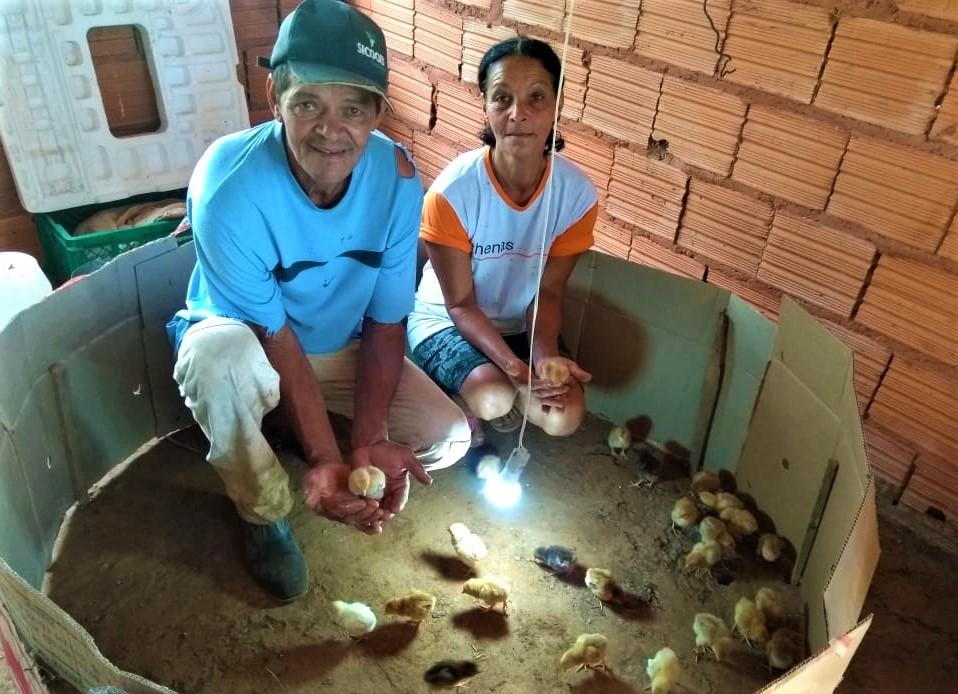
point(803, 148)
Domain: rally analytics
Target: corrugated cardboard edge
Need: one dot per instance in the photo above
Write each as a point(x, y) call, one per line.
point(18, 661)
point(824, 671)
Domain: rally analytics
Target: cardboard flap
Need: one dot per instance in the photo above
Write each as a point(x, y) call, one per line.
point(823, 672)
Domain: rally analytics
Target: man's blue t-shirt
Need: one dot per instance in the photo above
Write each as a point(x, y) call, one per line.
point(267, 255)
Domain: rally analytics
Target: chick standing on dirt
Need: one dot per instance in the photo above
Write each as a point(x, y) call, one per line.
point(415, 606)
point(705, 481)
point(770, 603)
point(355, 617)
point(740, 522)
point(770, 547)
point(490, 591)
point(750, 622)
point(712, 529)
point(785, 649)
point(588, 651)
point(703, 556)
point(684, 513)
point(664, 671)
point(469, 547)
point(712, 634)
point(557, 559)
point(620, 439)
point(602, 584)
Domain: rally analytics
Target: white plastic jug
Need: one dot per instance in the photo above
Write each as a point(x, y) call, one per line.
point(22, 284)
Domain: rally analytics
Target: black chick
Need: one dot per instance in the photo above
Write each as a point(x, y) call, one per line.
point(555, 558)
point(450, 673)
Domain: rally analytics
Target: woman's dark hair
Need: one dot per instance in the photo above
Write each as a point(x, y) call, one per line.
point(526, 48)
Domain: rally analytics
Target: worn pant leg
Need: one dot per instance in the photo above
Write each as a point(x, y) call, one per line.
point(229, 384)
point(421, 416)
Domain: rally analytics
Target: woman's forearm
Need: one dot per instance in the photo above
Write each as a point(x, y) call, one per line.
point(479, 331)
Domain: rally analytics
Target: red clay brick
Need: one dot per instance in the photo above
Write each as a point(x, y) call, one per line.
point(458, 113)
point(945, 127)
point(543, 13)
point(678, 32)
point(898, 192)
point(919, 405)
point(438, 37)
point(593, 155)
point(396, 19)
point(411, 94)
point(432, 155)
point(934, 485)
point(646, 193)
point(760, 297)
point(725, 226)
point(701, 125)
point(621, 99)
point(871, 360)
point(477, 38)
point(824, 266)
point(777, 46)
point(943, 9)
point(890, 457)
point(886, 74)
point(606, 22)
point(915, 304)
point(789, 156)
point(647, 252)
point(949, 247)
point(612, 239)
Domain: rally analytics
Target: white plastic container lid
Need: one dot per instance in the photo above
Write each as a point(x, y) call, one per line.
point(52, 119)
point(22, 284)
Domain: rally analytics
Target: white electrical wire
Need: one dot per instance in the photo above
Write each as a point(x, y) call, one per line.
point(545, 226)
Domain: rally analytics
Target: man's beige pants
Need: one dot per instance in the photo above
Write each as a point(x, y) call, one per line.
point(229, 385)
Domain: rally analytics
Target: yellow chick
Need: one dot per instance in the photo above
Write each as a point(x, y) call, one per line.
point(367, 481)
point(770, 547)
point(711, 634)
point(620, 439)
point(491, 591)
point(711, 529)
point(703, 556)
point(684, 513)
point(750, 622)
point(602, 584)
point(556, 373)
point(770, 603)
point(724, 500)
point(489, 466)
point(469, 547)
point(708, 500)
point(664, 671)
point(740, 522)
point(785, 649)
point(706, 481)
point(355, 617)
point(588, 651)
point(415, 606)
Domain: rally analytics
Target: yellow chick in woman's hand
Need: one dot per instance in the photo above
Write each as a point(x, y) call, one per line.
point(588, 651)
point(556, 373)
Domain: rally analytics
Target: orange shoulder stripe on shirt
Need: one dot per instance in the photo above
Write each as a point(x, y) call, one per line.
point(578, 238)
point(440, 224)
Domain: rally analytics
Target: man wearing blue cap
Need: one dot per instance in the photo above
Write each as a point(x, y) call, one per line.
point(305, 230)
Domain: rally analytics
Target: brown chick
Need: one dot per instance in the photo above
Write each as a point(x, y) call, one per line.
point(770, 547)
point(415, 606)
point(740, 523)
point(750, 622)
point(785, 649)
point(706, 481)
point(684, 513)
point(556, 373)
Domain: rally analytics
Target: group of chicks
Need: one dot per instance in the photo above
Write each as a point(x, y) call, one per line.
point(752, 619)
point(358, 619)
point(719, 533)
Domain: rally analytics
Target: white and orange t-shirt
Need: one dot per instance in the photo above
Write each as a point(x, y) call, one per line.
point(466, 208)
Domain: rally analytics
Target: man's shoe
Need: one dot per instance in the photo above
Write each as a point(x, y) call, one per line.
point(275, 560)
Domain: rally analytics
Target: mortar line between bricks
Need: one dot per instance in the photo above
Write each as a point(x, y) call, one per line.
point(941, 97)
point(828, 49)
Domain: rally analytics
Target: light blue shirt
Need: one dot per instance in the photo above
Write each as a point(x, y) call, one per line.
point(267, 255)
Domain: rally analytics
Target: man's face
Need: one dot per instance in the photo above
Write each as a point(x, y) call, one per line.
point(327, 127)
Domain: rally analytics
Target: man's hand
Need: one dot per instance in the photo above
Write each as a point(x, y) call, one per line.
point(326, 488)
point(396, 462)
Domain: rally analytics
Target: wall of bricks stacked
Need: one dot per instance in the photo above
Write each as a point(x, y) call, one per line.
point(769, 147)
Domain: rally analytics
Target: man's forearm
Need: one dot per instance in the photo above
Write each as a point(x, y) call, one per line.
point(300, 398)
point(382, 349)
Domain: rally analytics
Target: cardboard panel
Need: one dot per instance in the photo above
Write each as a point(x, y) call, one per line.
point(816, 357)
point(161, 286)
point(750, 339)
point(823, 672)
point(20, 538)
point(791, 438)
point(846, 591)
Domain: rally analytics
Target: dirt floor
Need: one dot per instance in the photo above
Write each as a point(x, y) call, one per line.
point(152, 569)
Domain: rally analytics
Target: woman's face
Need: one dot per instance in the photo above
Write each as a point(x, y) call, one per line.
point(519, 104)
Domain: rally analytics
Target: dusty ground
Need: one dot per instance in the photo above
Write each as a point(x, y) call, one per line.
point(152, 569)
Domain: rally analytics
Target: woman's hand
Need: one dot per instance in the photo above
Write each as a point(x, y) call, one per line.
point(556, 375)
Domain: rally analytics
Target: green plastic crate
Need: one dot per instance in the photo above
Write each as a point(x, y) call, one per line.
point(68, 255)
